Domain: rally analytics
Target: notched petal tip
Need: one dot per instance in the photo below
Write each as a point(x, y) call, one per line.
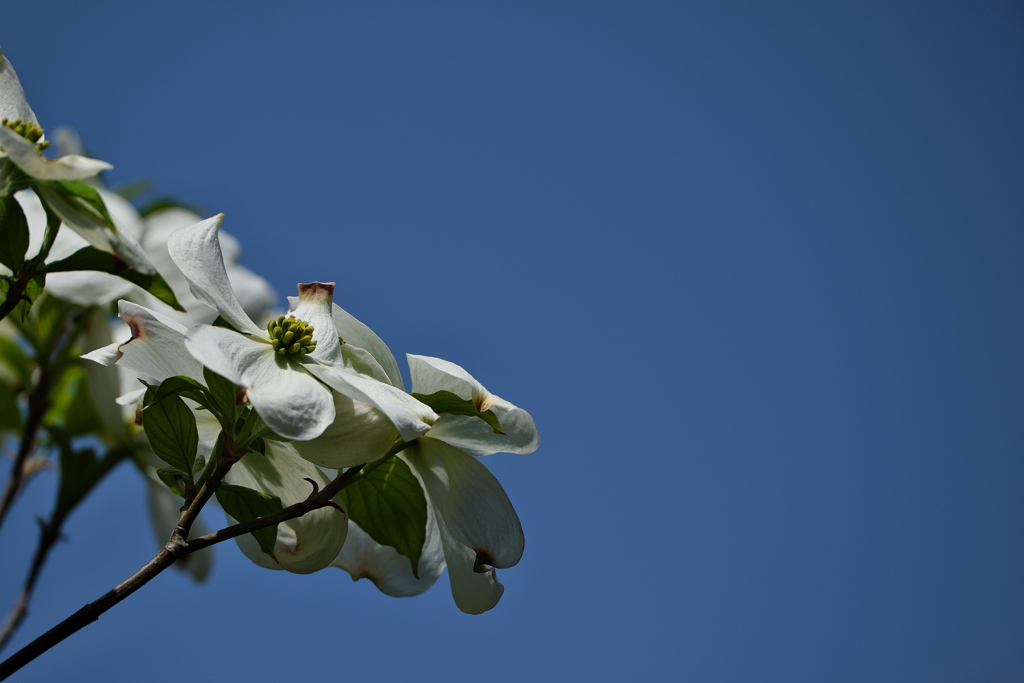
point(316, 289)
point(484, 562)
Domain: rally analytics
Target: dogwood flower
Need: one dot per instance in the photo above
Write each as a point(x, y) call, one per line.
point(284, 368)
point(21, 138)
point(476, 527)
point(22, 143)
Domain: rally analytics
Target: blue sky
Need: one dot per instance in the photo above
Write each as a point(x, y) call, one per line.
point(754, 268)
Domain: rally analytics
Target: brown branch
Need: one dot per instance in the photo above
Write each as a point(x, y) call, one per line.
point(316, 500)
point(49, 534)
point(37, 406)
point(15, 292)
point(177, 547)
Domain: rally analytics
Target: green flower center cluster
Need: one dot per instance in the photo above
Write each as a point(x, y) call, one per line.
point(291, 336)
point(28, 130)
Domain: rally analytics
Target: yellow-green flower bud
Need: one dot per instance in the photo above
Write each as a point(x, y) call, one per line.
point(29, 130)
point(291, 336)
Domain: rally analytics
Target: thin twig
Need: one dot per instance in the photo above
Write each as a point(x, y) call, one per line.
point(49, 534)
point(178, 547)
point(38, 402)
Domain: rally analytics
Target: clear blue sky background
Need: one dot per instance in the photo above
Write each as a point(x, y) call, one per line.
point(757, 270)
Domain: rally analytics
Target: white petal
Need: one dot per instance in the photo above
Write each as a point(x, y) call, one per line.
point(411, 417)
point(470, 503)
point(156, 350)
point(196, 251)
point(13, 104)
point(130, 398)
point(313, 306)
point(359, 434)
point(30, 160)
point(158, 227)
point(359, 335)
point(361, 361)
point(308, 543)
point(364, 558)
point(255, 295)
point(289, 400)
point(472, 434)
point(87, 288)
point(35, 216)
point(475, 590)
point(126, 219)
point(95, 232)
point(430, 375)
point(103, 383)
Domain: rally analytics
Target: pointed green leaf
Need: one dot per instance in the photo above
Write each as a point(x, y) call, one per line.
point(88, 195)
point(223, 394)
point(71, 412)
point(244, 505)
point(13, 234)
point(181, 385)
point(91, 258)
point(388, 504)
point(453, 404)
point(171, 429)
point(174, 479)
point(10, 413)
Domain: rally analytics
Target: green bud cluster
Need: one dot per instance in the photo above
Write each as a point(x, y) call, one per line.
point(291, 336)
point(28, 130)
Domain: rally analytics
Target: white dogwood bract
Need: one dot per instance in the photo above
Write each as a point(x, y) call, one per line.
point(14, 106)
point(305, 544)
point(476, 524)
point(286, 390)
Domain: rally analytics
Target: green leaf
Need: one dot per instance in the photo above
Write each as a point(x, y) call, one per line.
point(91, 258)
point(245, 505)
point(71, 411)
point(222, 394)
point(181, 385)
point(174, 479)
point(388, 504)
point(89, 195)
point(50, 320)
point(171, 429)
point(10, 412)
point(453, 404)
point(80, 472)
point(13, 234)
